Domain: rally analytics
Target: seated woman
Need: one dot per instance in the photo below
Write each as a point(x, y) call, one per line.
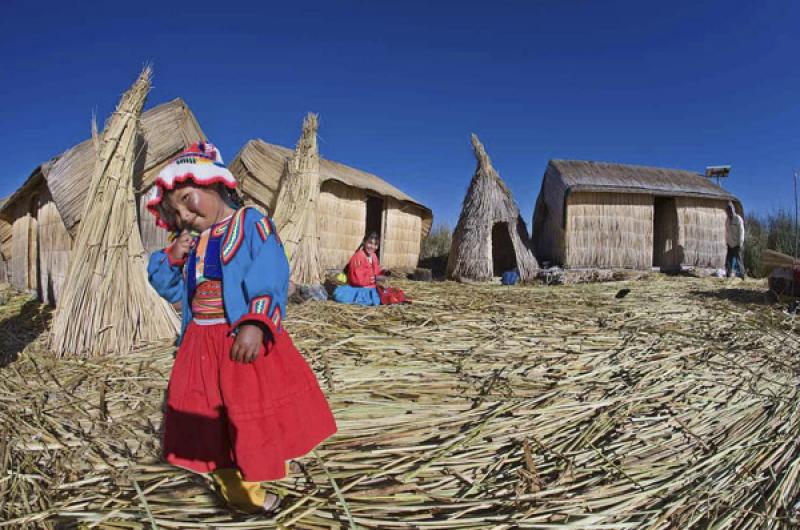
point(363, 273)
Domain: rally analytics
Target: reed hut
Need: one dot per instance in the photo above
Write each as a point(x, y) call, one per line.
point(490, 237)
point(35, 242)
point(5, 246)
point(44, 213)
point(604, 215)
point(351, 203)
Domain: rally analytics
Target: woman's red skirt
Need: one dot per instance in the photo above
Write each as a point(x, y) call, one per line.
point(254, 417)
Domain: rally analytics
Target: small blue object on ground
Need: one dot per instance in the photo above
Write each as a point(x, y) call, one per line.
point(510, 277)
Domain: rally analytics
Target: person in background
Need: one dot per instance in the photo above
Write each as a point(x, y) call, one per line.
point(363, 273)
point(364, 270)
point(734, 237)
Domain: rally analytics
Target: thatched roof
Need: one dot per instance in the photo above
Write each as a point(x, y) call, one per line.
point(34, 180)
point(590, 176)
point(260, 165)
point(166, 129)
point(488, 202)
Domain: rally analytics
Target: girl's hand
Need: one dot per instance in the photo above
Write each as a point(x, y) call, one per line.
point(181, 246)
point(248, 343)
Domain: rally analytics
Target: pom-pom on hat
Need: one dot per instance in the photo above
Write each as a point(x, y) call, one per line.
point(200, 163)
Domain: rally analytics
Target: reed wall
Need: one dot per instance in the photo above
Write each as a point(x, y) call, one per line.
point(22, 247)
point(400, 244)
point(471, 253)
point(5, 239)
point(702, 231)
point(153, 237)
point(609, 230)
point(5, 250)
point(547, 228)
point(54, 246)
point(341, 221)
point(21, 266)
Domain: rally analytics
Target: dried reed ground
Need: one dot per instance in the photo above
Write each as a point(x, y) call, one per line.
point(475, 407)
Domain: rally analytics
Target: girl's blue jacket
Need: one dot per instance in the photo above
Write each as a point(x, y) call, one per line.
point(255, 274)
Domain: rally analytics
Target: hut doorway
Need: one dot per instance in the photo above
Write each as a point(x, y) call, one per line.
point(503, 256)
point(374, 218)
point(667, 254)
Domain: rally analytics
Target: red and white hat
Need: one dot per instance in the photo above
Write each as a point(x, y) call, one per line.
point(201, 163)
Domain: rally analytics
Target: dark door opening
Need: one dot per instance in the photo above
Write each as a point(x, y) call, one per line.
point(375, 218)
point(503, 255)
point(666, 252)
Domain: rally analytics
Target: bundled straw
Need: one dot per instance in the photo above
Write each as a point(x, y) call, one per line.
point(107, 304)
point(296, 207)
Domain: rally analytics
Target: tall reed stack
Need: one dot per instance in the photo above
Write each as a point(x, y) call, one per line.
point(296, 207)
point(108, 305)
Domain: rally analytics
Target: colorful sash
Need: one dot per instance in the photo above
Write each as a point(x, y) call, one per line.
point(207, 301)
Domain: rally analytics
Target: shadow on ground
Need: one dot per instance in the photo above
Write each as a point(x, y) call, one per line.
point(739, 296)
point(20, 329)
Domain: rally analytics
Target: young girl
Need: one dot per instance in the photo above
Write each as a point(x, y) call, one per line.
point(363, 273)
point(241, 400)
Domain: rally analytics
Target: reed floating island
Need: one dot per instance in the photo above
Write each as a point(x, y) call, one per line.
point(478, 406)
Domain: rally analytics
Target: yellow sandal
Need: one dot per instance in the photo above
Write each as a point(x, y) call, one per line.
point(244, 496)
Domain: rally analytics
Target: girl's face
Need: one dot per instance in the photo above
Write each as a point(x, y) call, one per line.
point(195, 208)
point(370, 246)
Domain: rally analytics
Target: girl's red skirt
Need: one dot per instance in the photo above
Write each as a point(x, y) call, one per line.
point(254, 417)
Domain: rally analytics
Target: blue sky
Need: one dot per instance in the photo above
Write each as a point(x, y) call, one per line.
point(400, 86)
